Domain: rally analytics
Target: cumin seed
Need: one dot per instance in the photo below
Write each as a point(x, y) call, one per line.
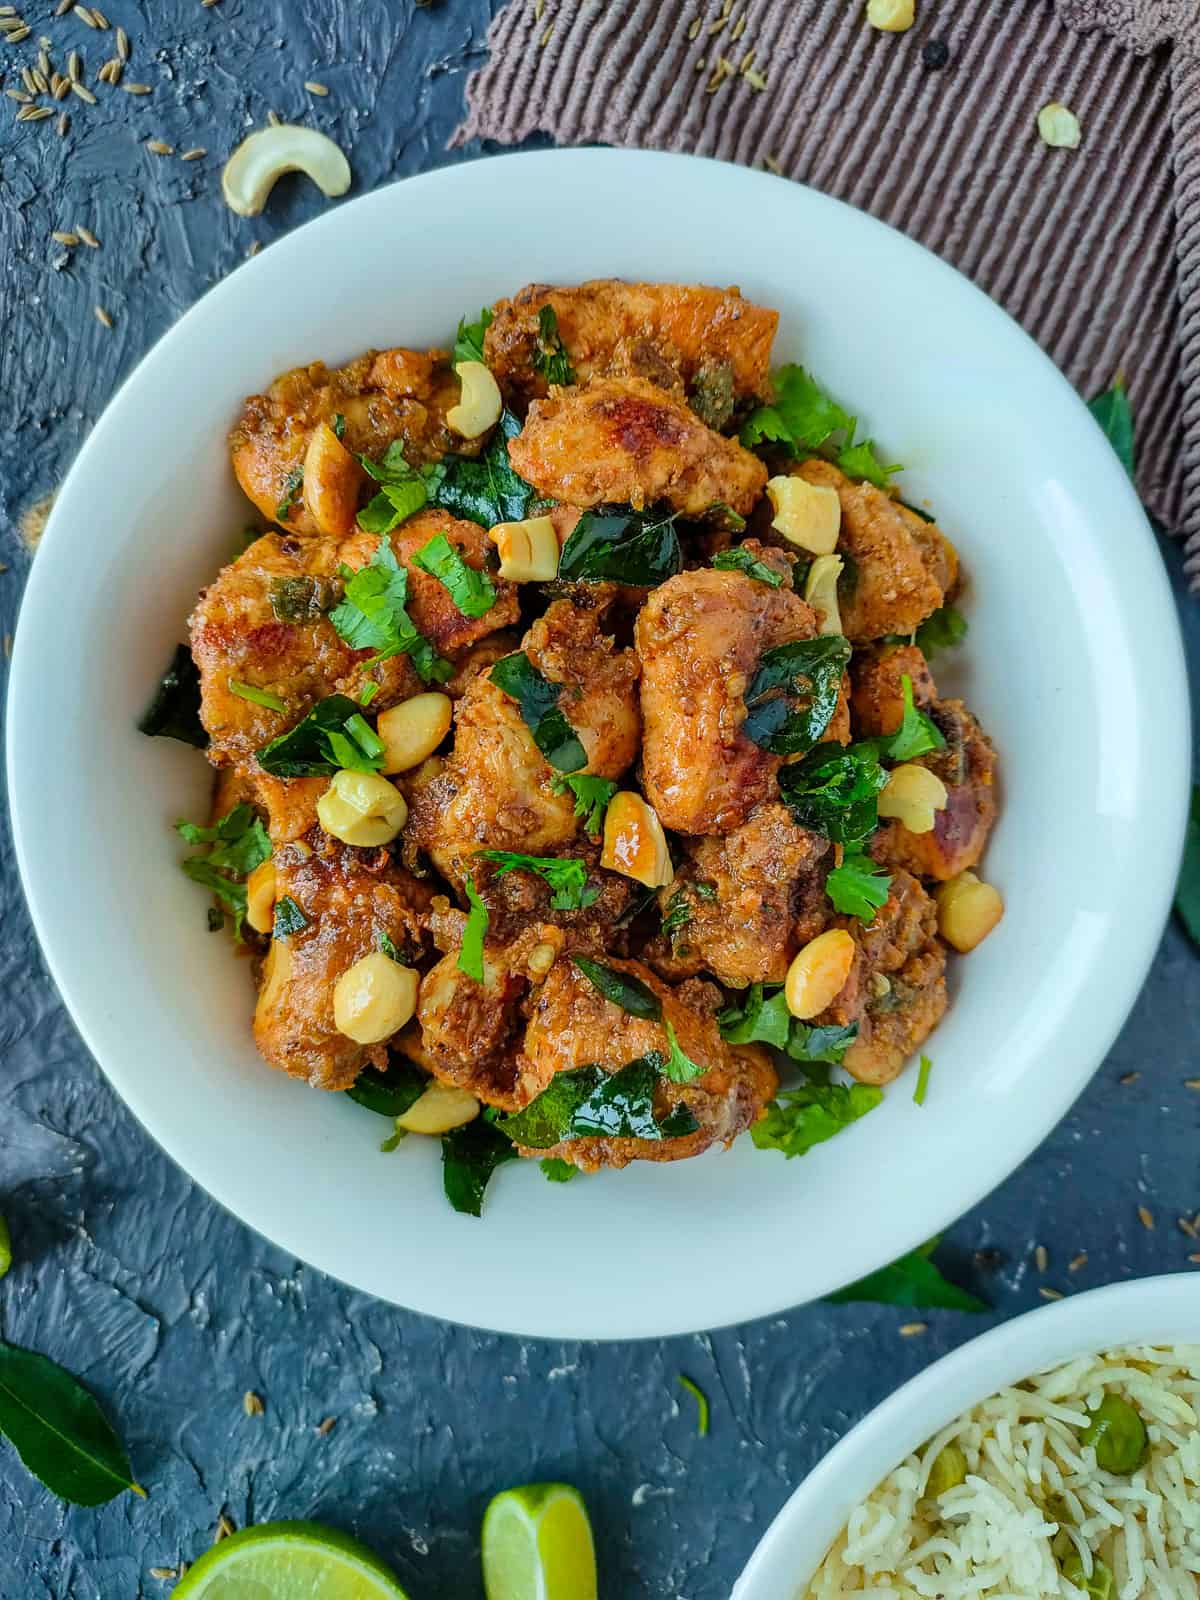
point(84, 93)
point(17, 35)
point(63, 125)
point(1049, 1294)
point(8, 11)
point(252, 1404)
point(1076, 1262)
point(1041, 1257)
point(1145, 1216)
point(60, 87)
point(694, 30)
point(906, 1330)
point(122, 44)
point(63, 7)
point(755, 79)
point(85, 15)
point(194, 155)
point(316, 88)
point(137, 88)
point(715, 27)
point(773, 166)
point(1130, 1077)
point(98, 17)
point(74, 66)
point(43, 62)
point(224, 1528)
point(19, 96)
point(102, 317)
point(87, 237)
point(1191, 1083)
point(326, 1427)
point(739, 27)
point(28, 79)
point(68, 239)
point(164, 1572)
point(274, 119)
point(1194, 1258)
point(34, 113)
point(156, 147)
point(538, 7)
point(545, 39)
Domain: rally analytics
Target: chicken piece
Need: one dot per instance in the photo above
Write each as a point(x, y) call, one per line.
point(750, 900)
point(700, 637)
point(571, 1025)
point(967, 766)
point(893, 580)
point(497, 791)
point(349, 898)
point(394, 395)
point(678, 335)
point(238, 636)
point(471, 1032)
point(429, 603)
point(622, 440)
point(479, 661)
point(877, 696)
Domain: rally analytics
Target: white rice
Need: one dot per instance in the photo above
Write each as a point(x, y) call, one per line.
point(990, 1537)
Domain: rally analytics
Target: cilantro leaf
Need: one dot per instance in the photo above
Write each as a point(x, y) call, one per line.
point(680, 1068)
point(228, 891)
point(857, 888)
point(616, 544)
point(804, 418)
point(739, 559)
point(1187, 893)
point(942, 630)
point(763, 1019)
point(926, 1068)
point(468, 342)
point(592, 1103)
point(538, 699)
point(911, 1281)
point(550, 355)
point(470, 1155)
point(567, 876)
point(1115, 416)
point(471, 590)
point(800, 1118)
point(807, 671)
point(239, 844)
point(591, 797)
point(386, 945)
point(486, 488)
point(372, 616)
point(390, 1092)
point(292, 485)
point(917, 734)
point(334, 735)
point(860, 461)
point(174, 713)
point(403, 489)
point(556, 1171)
point(621, 988)
point(289, 918)
point(834, 790)
point(470, 955)
point(339, 426)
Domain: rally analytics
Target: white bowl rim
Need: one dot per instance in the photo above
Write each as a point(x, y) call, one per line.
point(1150, 1311)
point(557, 1319)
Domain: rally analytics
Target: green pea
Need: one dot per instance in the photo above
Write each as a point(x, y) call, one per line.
point(1098, 1587)
point(1118, 1434)
point(949, 1469)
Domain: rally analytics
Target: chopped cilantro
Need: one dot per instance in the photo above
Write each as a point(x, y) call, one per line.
point(471, 590)
point(834, 790)
point(591, 797)
point(806, 1116)
point(292, 486)
point(917, 734)
point(556, 1171)
point(942, 631)
point(621, 988)
point(550, 355)
point(567, 876)
point(680, 1068)
point(385, 944)
point(289, 918)
point(367, 693)
point(339, 426)
point(792, 697)
point(258, 697)
point(592, 1103)
point(470, 955)
point(1115, 416)
point(701, 1399)
point(372, 616)
point(922, 1080)
point(468, 343)
point(739, 559)
point(538, 699)
point(857, 888)
point(332, 737)
point(765, 1019)
point(239, 844)
point(804, 418)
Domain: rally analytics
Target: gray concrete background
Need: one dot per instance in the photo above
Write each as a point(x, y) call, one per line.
point(165, 1305)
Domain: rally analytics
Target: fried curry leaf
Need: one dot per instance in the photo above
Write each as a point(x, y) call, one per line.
point(59, 1431)
point(556, 1171)
point(803, 418)
point(591, 797)
point(917, 734)
point(174, 713)
point(289, 918)
point(806, 1116)
point(486, 488)
point(333, 736)
point(911, 1281)
point(550, 354)
point(468, 342)
point(739, 559)
point(567, 876)
point(792, 697)
point(677, 915)
point(591, 1103)
point(537, 697)
point(942, 631)
point(622, 988)
point(390, 1092)
point(292, 485)
point(857, 888)
point(615, 544)
point(1187, 893)
point(834, 790)
point(470, 1155)
point(471, 590)
point(470, 955)
point(1115, 416)
point(372, 616)
point(765, 1019)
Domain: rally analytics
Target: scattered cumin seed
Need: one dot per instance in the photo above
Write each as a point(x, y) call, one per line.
point(34, 113)
point(1130, 1077)
point(19, 96)
point(208, 4)
point(1076, 1262)
point(545, 39)
point(1191, 1083)
point(41, 82)
point(164, 1572)
point(63, 125)
point(739, 27)
point(715, 27)
point(8, 11)
point(746, 61)
point(755, 79)
point(137, 88)
point(43, 61)
point(1145, 1216)
point(1049, 1294)
point(316, 88)
point(74, 66)
point(87, 237)
point(701, 64)
point(695, 27)
point(84, 93)
point(63, 7)
point(122, 44)
point(254, 247)
point(99, 18)
point(274, 119)
point(195, 154)
point(1194, 1258)
point(28, 79)
point(326, 1427)
point(18, 35)
point(156, 147)
point(8, 643)
point(1186, 1226)
point(60, 87)
point(773, 166)
point(85, 15)
point(224, 1528)
point(252, 1404)
point(102, 317)
point(1041, 1257)
point(68, 239)
point(538, 7)
point(908, 1329)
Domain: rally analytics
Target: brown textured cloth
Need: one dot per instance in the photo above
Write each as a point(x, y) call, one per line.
point(1096, 251)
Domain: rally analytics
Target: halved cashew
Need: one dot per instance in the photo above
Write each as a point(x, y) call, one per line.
point(806, 514)
point(821, 592)
point(260, 159)
point(479, 405)
point(374, 998)
point(412, 730)
point(818, 974)
point(911, 795)
point(634, 841)
point(439, 1109)
point(331, 482)
point(260, 897)
point(528, 550)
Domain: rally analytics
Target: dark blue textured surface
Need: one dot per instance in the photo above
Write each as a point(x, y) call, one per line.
point(170, 1309)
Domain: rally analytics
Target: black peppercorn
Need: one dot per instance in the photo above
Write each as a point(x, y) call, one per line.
point(935, 55)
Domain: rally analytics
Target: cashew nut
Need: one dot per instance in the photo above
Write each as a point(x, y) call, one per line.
point(260, 159)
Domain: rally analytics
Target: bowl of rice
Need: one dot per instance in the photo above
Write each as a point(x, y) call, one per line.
point(1055, 1456)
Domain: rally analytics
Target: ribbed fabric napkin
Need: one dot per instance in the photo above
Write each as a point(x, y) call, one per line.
point(1096, 251)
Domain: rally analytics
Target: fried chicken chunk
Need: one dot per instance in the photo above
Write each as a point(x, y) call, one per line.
point(742, 906)
point(700, 637)
point(904, 567)
point(624, 440)
point(901, 985)
point(286, 448)
point(572, 1025)
point(682, 335)
point(348, 896)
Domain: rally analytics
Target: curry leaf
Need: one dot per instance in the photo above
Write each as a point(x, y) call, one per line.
point(334, 735)
point(390, 1092)
point(945, 628)
point(1115, 416)
point(615, 544)
point(486, 488)
point(289, 918)
point(538, 699)
point(174, 713)
point(911, 1281)
point(470, 1155)
point(592, 1103)
point(834, 790)
point(621, 988)
point(792, 697)
point(739, 559)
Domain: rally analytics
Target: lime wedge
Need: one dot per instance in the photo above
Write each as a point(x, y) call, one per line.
point(289, 1561)
point(537, 1545)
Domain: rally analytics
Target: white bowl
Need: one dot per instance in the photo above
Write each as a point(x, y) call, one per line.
point(1163, 1310)
point(1074, 664)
